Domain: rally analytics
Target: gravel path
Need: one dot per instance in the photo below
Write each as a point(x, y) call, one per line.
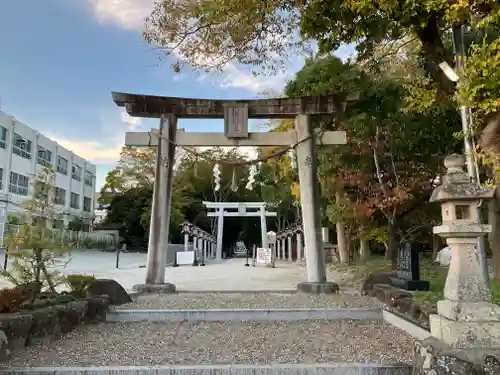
point(222, 343)
point(258, 300)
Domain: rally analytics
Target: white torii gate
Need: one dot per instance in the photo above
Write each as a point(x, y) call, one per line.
point(242, 207)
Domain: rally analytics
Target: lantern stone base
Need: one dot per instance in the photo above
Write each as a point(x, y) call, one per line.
point(327, 287)
point(469, 311)
point(434, 357)
point(465, 334)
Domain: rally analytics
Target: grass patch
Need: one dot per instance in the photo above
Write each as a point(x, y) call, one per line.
point(430, 271)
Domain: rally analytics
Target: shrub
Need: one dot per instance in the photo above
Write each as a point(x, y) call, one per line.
point(11, 300)
point(78, 283)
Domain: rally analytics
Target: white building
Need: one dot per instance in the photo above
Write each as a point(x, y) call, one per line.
point(24, 152)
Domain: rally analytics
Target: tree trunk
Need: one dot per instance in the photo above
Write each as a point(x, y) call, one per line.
point(391, 252)
point(494, 236)
point(435, 52)
point(341, 237)
point(364, 249)
point(342, 243)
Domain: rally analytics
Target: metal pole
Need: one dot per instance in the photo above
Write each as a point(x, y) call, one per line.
point(246, 258)
point(472, 171)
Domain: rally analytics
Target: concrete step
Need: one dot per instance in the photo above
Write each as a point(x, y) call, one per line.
point(281, 369)
point(193, 315)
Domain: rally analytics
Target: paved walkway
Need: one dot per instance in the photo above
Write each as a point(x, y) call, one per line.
point(230, 274)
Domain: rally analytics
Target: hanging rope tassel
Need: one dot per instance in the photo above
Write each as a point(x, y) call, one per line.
point(234, 184)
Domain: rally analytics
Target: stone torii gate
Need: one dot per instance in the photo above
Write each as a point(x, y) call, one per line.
point(242, 210)
point(235, 114)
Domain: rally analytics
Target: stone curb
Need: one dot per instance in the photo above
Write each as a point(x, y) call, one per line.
point(134, 294)
point(405, 325)
point(278, 369)
point(177, 315)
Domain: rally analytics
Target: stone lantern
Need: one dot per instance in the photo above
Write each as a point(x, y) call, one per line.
point(466, 317)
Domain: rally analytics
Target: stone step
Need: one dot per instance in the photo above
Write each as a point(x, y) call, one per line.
point(282, 369)
point(260, 343)
point(214, 315)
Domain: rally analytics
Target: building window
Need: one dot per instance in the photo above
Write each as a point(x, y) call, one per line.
point(18, 184)
point(1, 178)
point(58, 224)
point(85, 227)
point(62, 165)
point(87, 203)
point(75, 201)
point(3, 137)
point(21, 146)
point(44, 156)
point(76, 172)
point(88, 178)
point(60, 196)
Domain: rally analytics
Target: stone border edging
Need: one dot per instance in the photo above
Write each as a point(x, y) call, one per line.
point(405, 325)
point(177, 315)
point(277, 369)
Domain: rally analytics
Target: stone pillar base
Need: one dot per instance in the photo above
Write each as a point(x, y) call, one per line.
point(154, 288)
point(465, 334)
point(317, 288)
point(433, 357)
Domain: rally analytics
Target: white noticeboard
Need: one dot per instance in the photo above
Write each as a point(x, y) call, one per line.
point(185, 258)
point(264, 256)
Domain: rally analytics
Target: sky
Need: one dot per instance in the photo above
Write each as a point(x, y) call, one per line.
point(60, 60)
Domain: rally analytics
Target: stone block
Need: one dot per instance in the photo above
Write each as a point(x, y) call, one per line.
point(16, 327)
point(327, 287)
point(460, 334)
point(45, 325)
point(111, 288)
point(154, 288)
point(434, 357)
point(376, 278)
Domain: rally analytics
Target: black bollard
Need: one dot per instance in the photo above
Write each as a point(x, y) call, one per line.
point(118, 257)
point(195, 261)
point(175, 260)
point(202, 264)
point(246, 259)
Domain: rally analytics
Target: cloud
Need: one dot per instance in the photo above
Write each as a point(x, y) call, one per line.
point(107, 149)
point(130, 15)
point(235, 77)
point(127, 14)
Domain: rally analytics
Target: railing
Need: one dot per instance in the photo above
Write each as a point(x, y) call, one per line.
point(81, 240)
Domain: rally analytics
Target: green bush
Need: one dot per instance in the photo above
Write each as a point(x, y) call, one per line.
point(78, 283)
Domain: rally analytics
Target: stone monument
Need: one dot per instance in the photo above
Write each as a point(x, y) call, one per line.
point(465, 334)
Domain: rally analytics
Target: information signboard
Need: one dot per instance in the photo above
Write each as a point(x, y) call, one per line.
point(264, 256)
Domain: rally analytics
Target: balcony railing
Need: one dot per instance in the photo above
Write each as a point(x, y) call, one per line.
point(21, 153)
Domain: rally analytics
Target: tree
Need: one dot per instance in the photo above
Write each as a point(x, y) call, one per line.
point(387, 168)
point(211, 33)
point(35, 247)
